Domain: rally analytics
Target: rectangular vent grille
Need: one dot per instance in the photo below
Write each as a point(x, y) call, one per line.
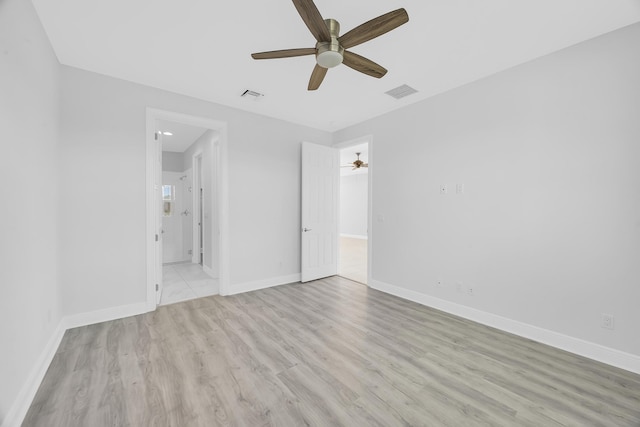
point(401, 91)
point(251, 94)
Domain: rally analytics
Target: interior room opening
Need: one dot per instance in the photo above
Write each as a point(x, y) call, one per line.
point(188, 209)
point(354, 203)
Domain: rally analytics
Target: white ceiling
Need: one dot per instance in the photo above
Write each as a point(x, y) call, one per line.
point(202, 48)
point(182, 138)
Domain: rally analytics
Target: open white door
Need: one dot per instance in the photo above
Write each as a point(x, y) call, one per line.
point(159, 209)
point(320, 198)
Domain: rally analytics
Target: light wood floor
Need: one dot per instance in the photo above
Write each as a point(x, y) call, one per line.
point(326, 353)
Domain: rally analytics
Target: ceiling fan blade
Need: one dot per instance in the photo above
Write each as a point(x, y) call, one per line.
point(362, 64)
point(365, 165)
point(285, 53)
point(374, 28)
point(312, 18)
point(316, 77)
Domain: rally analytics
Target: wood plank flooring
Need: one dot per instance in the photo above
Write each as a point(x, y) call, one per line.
point(327, 353)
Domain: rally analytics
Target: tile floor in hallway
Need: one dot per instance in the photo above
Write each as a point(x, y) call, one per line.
point(353, 259)
point(184, 281)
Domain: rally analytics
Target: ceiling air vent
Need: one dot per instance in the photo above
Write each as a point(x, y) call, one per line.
point(250, 94)
point(401, 91)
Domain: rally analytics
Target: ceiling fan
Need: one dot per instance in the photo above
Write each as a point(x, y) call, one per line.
point(330, 49)
point(357, 164)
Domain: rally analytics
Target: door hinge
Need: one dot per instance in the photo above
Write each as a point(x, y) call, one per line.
point(156, 135)
point(157, 287)
point(156, 237)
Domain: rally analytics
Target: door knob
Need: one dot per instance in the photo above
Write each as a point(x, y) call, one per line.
point(306, 229)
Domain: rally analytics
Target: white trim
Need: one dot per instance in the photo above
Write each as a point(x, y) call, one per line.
point(153, 115)
point(264, 283)
point(17, 411)
point(610, 356)
point(209, 271)
point(353, 236)
point(224, 254)
point(196, 166)
point(150, 210)
point(25, 397)
point(104, 315)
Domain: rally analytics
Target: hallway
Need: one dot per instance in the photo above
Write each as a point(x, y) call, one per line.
point(353, 259)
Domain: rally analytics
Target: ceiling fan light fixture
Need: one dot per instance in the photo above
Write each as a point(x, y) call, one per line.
point(329, 59)
point(330, 54)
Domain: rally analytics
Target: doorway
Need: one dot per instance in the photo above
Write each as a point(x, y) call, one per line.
point(196, 204)
point(188, 212)
point(354, 212)
point(320, 220)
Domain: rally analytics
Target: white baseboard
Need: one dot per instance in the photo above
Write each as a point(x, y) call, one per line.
point(584, 348)
point(239, 288)
point(98, 316)
point(23, 400)
point(175, 261)
point(610, 356)
point(18, 411)
point(354, 236)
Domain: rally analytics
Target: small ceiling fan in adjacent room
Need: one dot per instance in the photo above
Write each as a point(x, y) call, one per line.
point(357, 164)
point(330, 49)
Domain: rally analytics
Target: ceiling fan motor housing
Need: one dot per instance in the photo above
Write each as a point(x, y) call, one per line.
point(330, 54)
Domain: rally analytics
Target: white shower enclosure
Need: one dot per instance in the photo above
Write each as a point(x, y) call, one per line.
point(177, 216)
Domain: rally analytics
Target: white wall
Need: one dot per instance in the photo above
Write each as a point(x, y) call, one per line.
point(29, 286)
point(103, 123)
point(354, 195)
point(172, 162)
point(548, 228)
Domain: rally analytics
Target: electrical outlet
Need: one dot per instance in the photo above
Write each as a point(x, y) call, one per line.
point(444, 189)
point(471, 290)
point(439, 283)
point(607, 321)
point(459, 188)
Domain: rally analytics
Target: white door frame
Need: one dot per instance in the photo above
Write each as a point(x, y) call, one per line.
point(196, 168)
point(152, 117)
point(350, 143)
point(158, 201)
